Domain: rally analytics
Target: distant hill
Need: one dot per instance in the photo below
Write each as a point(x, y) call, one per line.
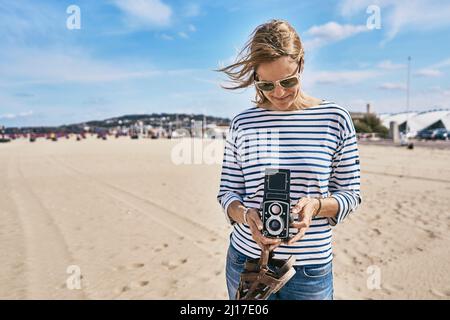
point(165, 120)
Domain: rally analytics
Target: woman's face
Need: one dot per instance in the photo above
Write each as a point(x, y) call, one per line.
point(280, 98)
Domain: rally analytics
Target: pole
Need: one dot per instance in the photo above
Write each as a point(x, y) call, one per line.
point(407, 95)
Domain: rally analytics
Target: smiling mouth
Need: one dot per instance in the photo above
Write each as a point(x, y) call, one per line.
point(282, 99)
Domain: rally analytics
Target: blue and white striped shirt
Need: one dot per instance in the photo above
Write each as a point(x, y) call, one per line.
point(318, 145)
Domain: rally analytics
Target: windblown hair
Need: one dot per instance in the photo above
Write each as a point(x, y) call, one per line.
point(268, 42)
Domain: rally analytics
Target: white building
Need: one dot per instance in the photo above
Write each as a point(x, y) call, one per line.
point(418, 121)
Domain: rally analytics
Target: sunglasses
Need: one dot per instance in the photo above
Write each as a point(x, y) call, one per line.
point(286, 83)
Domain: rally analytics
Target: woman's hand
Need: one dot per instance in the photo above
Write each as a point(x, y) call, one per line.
point(306, 208)
point(255, 224)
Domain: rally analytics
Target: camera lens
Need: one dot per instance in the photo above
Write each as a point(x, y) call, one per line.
point(275, 225)
point(275, 209)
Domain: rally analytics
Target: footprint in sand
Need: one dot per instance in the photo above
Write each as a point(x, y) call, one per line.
point(165, 245)
point(144, 283)
point(439, 293)
point(431, 234)
point(172, 265)
point(169, 265)
point(386, 291)
point(157, 250)
point(18, 265)
point(119, 268)
point(137, 265)
point(397, 287)
point(120, 290)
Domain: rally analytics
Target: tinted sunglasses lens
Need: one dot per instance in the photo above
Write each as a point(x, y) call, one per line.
point(265, 86)
point(289, 83)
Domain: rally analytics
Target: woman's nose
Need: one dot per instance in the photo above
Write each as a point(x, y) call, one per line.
point(278, 91)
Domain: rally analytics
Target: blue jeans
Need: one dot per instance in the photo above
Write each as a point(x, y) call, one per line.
point(314, 282)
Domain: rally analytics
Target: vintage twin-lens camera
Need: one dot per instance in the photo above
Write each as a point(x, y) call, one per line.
point(275, 208)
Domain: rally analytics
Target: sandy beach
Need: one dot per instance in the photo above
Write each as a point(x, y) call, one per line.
point(138, 226)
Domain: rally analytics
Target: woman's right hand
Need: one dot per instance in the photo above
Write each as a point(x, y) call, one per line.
point(255, 224)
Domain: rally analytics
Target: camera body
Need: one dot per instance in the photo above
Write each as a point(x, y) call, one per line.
point(275, 208)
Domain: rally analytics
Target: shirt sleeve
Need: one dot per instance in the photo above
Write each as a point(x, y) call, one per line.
point(344, 183)
point(232, 179)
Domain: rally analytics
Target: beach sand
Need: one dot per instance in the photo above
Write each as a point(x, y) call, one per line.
point(137, 226)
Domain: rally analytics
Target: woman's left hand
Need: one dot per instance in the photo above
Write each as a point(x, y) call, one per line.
point(306, 208)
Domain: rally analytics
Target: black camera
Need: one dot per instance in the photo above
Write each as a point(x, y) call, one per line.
point(275, 208)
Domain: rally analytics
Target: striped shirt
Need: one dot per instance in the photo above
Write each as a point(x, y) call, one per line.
point(318, 145)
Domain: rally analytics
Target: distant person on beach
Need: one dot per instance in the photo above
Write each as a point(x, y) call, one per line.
point(315, 139)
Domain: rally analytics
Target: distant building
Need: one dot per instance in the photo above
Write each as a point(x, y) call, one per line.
point(216, 131)
point(360, 115)
point(417, 121)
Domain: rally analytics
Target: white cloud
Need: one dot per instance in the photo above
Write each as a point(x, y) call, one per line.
point(342, 77)
point(441, 64)
point(192, 28)
point(427, 72)
point(26, 113)
point(8, 116)
point(392, 86)
point(16, 115)
point(183, 35)
point(30, 66)
point(37, 66)
point(331, 32)
point(146, 12)
point(396, 16)
point(192, 10)
point(21, 21)
point(166, 37)
point(388, 65)
point(441, 91)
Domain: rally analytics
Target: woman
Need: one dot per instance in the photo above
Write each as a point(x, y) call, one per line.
point(314, 139)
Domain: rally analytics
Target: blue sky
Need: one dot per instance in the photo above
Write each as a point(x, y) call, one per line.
point(144, 56)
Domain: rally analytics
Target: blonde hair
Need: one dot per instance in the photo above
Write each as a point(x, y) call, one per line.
point(268, 42)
